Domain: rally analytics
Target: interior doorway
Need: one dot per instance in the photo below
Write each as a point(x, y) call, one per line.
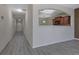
point(19, 25)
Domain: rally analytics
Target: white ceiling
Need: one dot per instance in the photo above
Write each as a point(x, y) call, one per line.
point(22, 6)
point(73, 6)
point(48, 13)
point(17, 14)
point(25, 6)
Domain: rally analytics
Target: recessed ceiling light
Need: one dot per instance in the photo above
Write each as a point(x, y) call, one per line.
point(47, 11)
point(44, 21)
point(19, 10)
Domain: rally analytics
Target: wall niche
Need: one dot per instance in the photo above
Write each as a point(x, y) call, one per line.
point(53, 17)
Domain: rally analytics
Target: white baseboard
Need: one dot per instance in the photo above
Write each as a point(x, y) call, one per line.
point(76, 38)
point(46, 44)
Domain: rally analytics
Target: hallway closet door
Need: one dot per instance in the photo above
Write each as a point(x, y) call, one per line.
point(77, 23)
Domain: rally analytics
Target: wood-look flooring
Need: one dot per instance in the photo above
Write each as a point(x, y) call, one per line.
point(20, 46)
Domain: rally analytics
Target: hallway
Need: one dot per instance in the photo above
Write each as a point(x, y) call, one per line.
point(31, 27)
point(20, 46)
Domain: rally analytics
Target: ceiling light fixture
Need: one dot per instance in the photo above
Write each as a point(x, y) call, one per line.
point(48, 11)
point(19, 10)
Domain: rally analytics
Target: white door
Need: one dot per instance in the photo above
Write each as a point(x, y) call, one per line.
point(19, 26)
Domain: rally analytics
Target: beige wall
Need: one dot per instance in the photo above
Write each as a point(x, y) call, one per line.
point(6, 30)
point(28, 28)
point(46, 35)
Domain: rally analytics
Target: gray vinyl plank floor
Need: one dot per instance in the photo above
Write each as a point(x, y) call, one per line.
point(20, 46)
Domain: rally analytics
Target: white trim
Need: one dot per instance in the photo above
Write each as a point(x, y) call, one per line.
point(76, 38)
point(51, 43)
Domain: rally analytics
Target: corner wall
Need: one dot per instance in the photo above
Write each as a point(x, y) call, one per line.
point(46, 35)
point(28, 25)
